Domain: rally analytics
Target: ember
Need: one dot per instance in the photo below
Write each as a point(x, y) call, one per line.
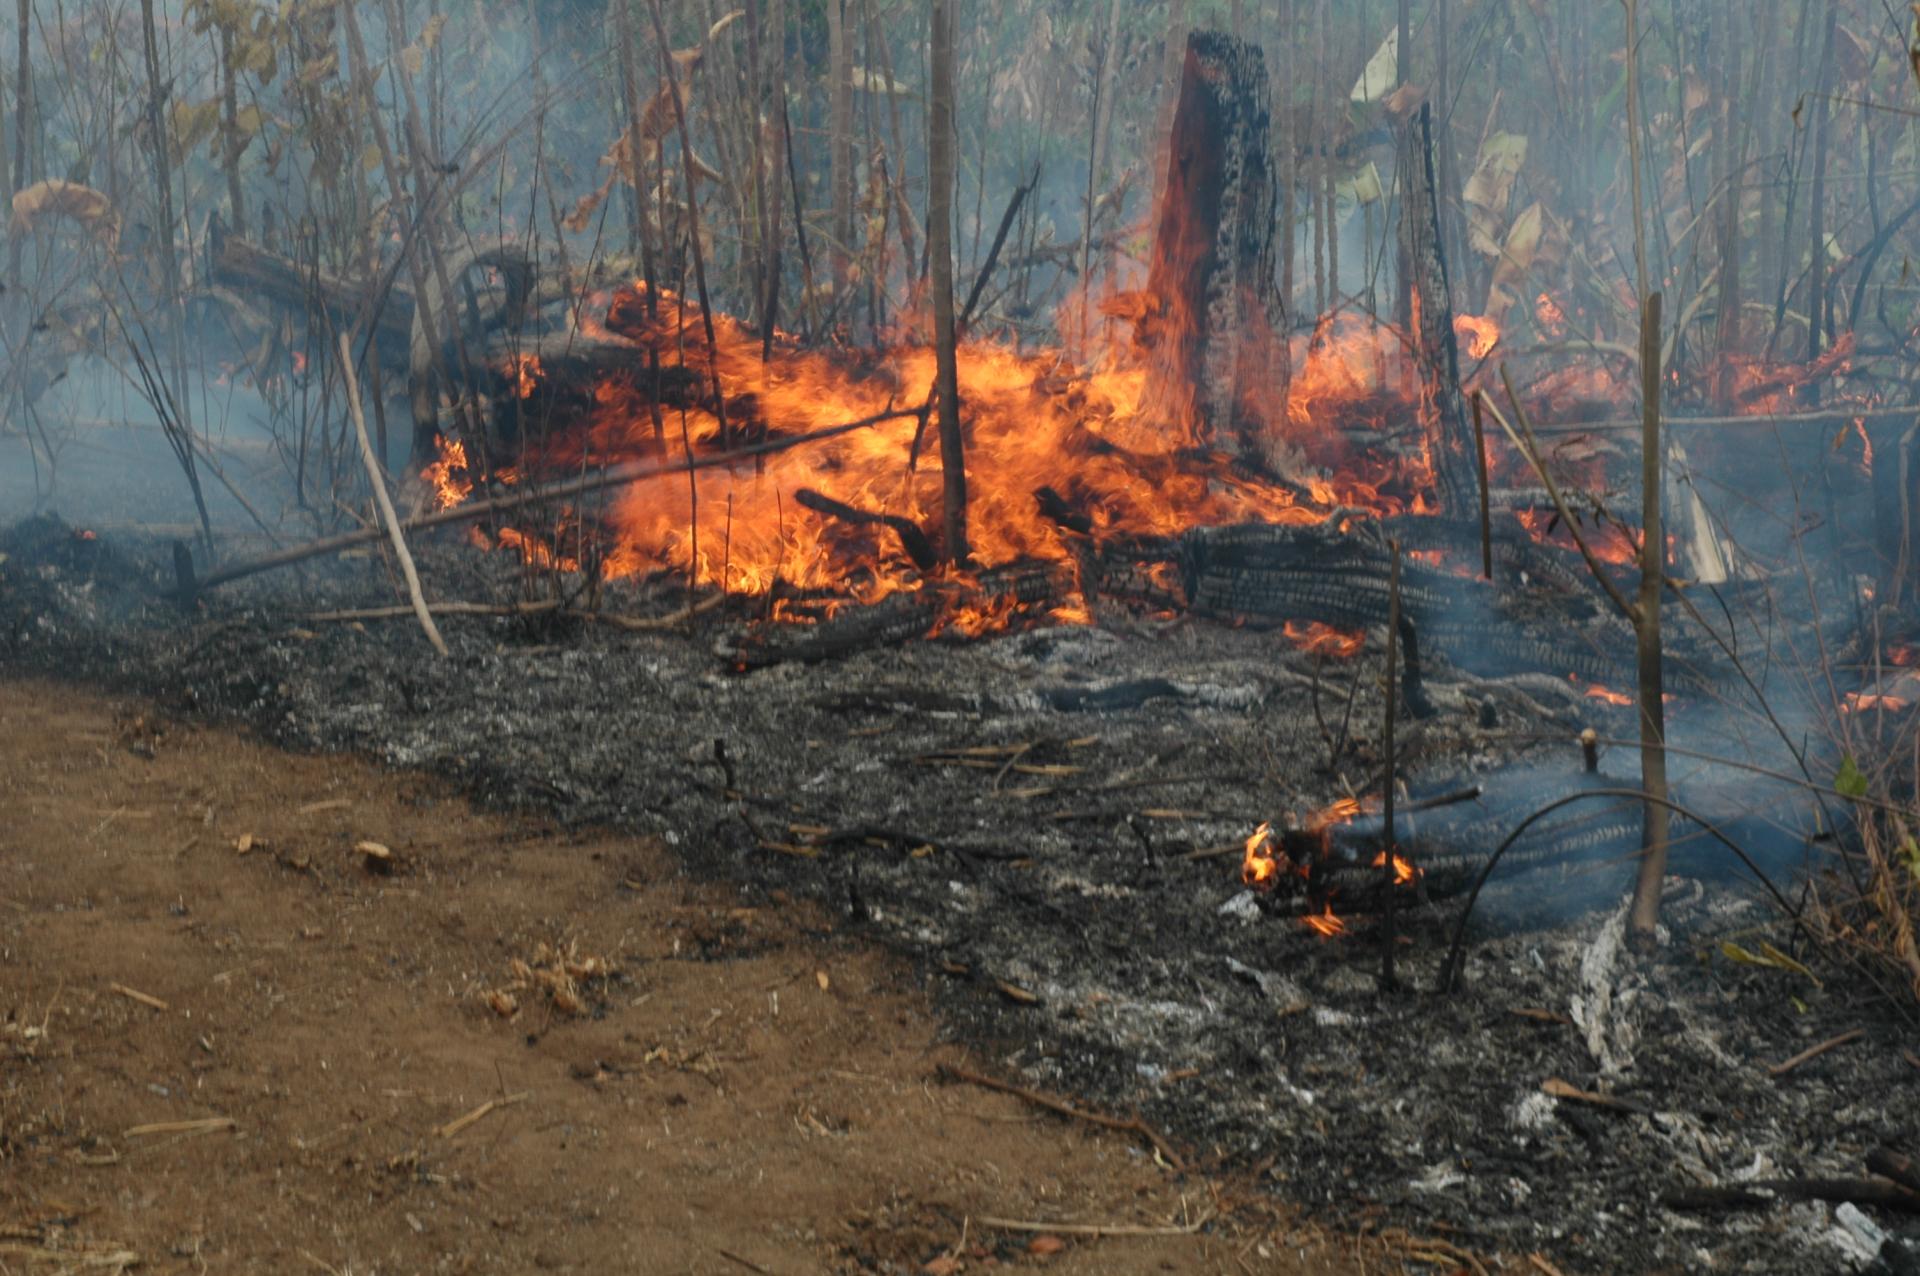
point(1325, 923)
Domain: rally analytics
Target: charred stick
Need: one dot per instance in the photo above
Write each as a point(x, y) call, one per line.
point(1891, 1164)
point(1131, 1125)
point(1480, 459)
point(1389, 938)
point(912, 539)
point(1889, 1196)
point(1055, 509)
point(999, 241)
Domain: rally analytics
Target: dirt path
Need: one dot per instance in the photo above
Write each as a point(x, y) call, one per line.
point(747, 1092)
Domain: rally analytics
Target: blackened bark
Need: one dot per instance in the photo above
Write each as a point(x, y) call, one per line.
point(1217, 325)
point(1432, 327)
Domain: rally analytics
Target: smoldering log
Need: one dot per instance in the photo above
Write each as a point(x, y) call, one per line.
point(1216, 318)
point(912, 539)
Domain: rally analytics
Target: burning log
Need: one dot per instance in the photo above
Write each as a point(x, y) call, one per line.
point(1212, 312)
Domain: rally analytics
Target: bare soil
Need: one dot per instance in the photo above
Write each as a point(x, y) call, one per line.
point(685, 1078)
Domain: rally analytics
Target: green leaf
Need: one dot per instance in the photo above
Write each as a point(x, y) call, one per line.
point(1850, 782)
point(1910, 856)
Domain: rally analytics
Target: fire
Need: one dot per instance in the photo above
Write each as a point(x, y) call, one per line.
point(1551, 318)
point(1341, 644)
point(527, 373)
point(1404, 873)
point(1865, 702)
point(299, 363)
point(1595, 691)
point(1609, 543)
point(1340, 811)
point(1480, 332)
point(1325, 923)
point(1903, 656)
point(448, 476)
point(1259, 867)
point(1032, 421)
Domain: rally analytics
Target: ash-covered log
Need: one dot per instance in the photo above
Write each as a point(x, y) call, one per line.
point(1212, 313)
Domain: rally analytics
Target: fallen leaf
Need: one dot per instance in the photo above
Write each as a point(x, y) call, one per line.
point(1045, 1245)
point(243, 843)
point(820, 977)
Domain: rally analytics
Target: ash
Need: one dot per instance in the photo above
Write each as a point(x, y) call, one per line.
point(1028, 818)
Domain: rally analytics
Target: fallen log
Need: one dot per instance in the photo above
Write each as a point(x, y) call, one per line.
point(253, 271)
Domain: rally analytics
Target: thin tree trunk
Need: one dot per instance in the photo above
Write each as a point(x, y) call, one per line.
point(230, 122)
point(840, 161)
point(22, 118)
point(693, 221)
point(1097, 157)
point(1817, 214)
point(1645, 913)
point(953, 464)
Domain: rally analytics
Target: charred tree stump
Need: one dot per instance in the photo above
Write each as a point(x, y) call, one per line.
point(1214, 317)
point(1432, 329)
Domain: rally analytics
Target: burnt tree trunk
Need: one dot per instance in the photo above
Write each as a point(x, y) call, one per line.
point(1216, 321)
point(1431, 332)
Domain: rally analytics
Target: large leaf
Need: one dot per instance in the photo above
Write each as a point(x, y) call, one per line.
point(1490, 189)
point(1382, 69)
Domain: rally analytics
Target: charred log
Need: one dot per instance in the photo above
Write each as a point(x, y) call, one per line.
point(254, 272)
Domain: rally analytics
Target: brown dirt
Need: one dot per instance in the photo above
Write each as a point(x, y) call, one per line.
point(749, 1092)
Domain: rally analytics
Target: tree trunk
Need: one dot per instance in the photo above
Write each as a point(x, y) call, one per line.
point(953, 466)
point(840, 142)
point(233, 143)
point(1431, 305)
point(1218, 325)
point(1645, 913)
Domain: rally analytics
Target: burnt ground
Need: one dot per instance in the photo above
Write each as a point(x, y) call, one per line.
point(1029, 819)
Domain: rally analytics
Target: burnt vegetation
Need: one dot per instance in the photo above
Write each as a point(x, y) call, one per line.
point(1135, 504)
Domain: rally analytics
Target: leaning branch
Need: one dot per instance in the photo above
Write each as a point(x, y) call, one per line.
point(613, 476)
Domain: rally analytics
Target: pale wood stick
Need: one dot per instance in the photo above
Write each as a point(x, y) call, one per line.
point(381, 499)
point(458, 1124)
point(1094, 1229)
point(1814, 1052)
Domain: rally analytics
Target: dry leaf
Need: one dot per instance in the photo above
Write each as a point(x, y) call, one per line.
point(1382, 69)
point(502, 1003)
point(1491, 187)
point(820, 977)
point(1045, 1245)
point(243, 843)
point(56, 198)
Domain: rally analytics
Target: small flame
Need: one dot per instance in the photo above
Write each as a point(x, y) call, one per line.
point(1548, 314)
point(1324, 640)
point(1326, 924)
point(1595, 691)
point(1341, 811)
point(84, 534)
point(1259, 867)
point(1865, 702)
point(299, 363)
point(1903, 656)
point(1480, 332)
point(1404, 873)
point(448, 476)
point(527, 373)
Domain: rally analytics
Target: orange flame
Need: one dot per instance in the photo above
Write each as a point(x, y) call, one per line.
point(1325, 923)
point(1548, 314)
point(1259, 867)
point(1404, 872)
point(1480, 332)
point(1865, 702)
point(1325, 640)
